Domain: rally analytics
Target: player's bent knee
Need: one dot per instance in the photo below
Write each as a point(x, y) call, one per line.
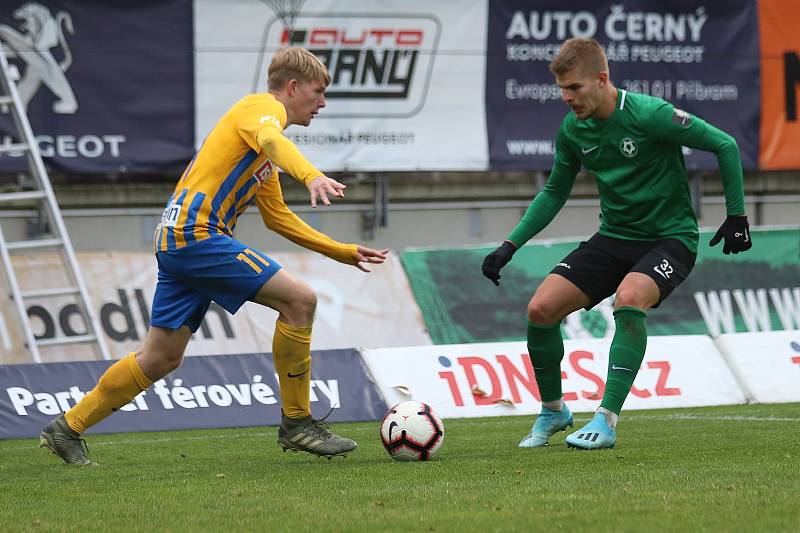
point(300, 310)
point(541, 314)
point(159, 363)
point(172, 361)
point(308, 305)
point(632, 297)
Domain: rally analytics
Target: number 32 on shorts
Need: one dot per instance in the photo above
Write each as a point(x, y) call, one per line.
point(249, 260)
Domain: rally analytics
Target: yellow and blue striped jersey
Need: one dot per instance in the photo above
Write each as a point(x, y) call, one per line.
point(235, 167)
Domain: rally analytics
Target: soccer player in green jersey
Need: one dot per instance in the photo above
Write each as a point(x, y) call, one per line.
point(647, 241)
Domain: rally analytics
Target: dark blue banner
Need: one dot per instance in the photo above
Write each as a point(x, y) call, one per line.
point(205, 392)
point(700, 56)
point(108, 86)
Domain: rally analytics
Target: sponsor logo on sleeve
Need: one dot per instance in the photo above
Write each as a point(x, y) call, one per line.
point(681, 118)
point(271, 120)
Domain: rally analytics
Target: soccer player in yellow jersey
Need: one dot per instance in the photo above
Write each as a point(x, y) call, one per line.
point(199, 260)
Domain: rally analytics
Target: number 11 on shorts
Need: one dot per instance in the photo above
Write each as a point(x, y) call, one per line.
point(244, 257)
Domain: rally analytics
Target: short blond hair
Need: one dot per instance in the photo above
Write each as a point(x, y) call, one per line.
point(582, 54)
point(295, 63)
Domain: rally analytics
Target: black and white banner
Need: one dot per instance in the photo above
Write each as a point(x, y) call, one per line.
point(407, 78)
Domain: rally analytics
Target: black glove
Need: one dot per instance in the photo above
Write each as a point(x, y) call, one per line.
point(736, 232)
point(497, 260)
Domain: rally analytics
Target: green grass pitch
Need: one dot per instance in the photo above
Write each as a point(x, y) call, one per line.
point(706, 469)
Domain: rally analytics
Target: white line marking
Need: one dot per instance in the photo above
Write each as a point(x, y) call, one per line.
point(26, 445)
point(732, 418)
point(736, 418)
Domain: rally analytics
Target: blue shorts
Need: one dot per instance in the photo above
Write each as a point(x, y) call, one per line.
point(219, 269)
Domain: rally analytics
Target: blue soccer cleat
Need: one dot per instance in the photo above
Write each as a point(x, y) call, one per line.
point(595, 435)
point(547, 424)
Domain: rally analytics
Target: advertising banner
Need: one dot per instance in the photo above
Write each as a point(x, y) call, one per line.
point(407, 78)
point(205, 392)
point(352, 309)
point(108, 88)
point(766, 364)
point(780, 84)
point(472, 380)
point(700, 56)
point(754, 291)
point(450, 85)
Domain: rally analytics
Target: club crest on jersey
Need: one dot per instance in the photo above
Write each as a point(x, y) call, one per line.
point(263, 172)
point(628, 147)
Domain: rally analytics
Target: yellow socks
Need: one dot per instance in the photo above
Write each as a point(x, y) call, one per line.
point(117, 387)
point(291, 350)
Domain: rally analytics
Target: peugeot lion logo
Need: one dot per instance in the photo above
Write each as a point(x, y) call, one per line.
point(39, 33)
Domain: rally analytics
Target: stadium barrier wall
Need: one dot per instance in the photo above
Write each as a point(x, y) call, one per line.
point(495, 379)
point(767, 365)
point(751, 292)
point(205, 392)
point(353, 309)
point(467, 380)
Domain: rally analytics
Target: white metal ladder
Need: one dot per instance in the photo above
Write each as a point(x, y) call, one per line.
point(43, 194)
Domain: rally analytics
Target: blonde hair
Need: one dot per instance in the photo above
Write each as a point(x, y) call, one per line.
point(582, 54)
point(295, 63)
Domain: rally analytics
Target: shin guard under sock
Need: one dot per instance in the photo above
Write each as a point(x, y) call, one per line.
point(291, 351)
point(546, 349)
point(116, 388)
point(625, 356)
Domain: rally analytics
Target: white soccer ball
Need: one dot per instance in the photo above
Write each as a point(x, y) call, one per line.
point(411, 431)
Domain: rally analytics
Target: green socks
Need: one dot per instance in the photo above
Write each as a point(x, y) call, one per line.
point(625, 356)
point(546, 349)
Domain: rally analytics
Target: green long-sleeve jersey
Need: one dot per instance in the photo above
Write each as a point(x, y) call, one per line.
point(636, 157)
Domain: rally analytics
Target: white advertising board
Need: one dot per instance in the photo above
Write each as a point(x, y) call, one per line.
point(407, 87)
point(472, 380)
point(354, 309)
point(767, 364)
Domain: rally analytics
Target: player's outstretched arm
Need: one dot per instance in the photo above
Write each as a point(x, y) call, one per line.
point(684, 129)
point(323, 186)
point(287, 156)
point(549, 201)
point(281, 219)
point(368, 255)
